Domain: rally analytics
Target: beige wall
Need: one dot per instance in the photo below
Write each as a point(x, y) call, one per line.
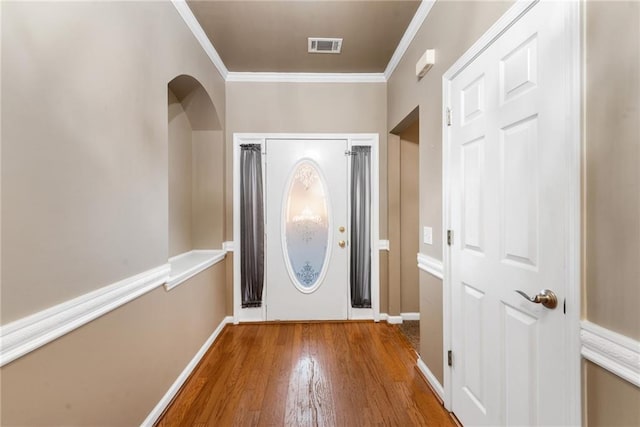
point(196, 170)
point(384, 282)
point(409, 219)
point(612, 196)
point(611, 400)
point(393, 211)
point(114, 370)
point(451, 28)
point(84, 143)
point(612, 124)
point(85, 204)
point(308, 108)
point(207, 205)
point(180, 170)
point(403, 213)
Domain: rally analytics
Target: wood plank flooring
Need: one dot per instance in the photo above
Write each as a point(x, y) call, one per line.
point(307, 374)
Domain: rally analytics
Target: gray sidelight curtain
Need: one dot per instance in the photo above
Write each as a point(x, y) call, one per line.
point(361, 227)
point(251, 225)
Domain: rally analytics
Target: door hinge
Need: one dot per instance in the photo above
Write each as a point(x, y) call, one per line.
point(448, 116)
point(449, 237)
point(450, 358)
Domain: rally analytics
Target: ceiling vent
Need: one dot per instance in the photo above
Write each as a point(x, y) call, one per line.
point(324, 45)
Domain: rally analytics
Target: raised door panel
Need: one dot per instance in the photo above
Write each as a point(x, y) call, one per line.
point(472, 195)
point(474, 381)
point(519, 196)
point(519, 367)
point(519, 70)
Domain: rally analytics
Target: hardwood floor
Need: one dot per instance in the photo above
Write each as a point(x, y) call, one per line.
point(307, 374)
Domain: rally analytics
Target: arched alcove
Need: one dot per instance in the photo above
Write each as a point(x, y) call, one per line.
point(196, 159)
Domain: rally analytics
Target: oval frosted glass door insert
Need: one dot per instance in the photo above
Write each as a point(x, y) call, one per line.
point(306, 226)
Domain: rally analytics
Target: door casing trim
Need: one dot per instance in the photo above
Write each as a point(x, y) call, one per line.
point(353, 139)
point(573, 137)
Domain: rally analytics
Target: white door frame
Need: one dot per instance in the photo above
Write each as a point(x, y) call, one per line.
point(572, 109)
point(353, 139)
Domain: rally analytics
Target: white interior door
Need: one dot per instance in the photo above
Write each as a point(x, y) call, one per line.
point(509, 213)
point(306, 220)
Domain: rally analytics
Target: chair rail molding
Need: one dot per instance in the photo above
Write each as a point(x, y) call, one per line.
point(29, 333)
point(188, 264)
point(430, 265)
point(614, 352)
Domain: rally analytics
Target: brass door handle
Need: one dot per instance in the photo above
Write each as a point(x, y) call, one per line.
point(342, 243)
point(545, 297)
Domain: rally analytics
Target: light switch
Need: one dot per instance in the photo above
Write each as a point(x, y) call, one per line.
point(427, 236)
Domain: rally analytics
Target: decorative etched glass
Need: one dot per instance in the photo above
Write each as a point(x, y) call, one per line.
point(306, 226)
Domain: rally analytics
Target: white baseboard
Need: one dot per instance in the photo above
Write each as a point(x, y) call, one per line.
point(410, 316)
point(394, 320)
point(29, 333)
point(431, 379)
point(361, 314)
point(614, 352)
point(177, 384)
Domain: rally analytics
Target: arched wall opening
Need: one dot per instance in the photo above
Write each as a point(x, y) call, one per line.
point(196, 168)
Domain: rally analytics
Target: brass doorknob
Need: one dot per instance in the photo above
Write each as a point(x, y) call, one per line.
point(341, 229)
point(342, 243)
point(545, 297)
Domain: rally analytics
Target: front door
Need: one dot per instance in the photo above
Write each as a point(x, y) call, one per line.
point(306, 220)
point(509, 215)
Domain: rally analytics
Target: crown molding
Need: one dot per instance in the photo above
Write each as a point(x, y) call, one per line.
point(306, 77)
point(416, 22)
point(272, 77)
point(409, 34)
point(189, 18)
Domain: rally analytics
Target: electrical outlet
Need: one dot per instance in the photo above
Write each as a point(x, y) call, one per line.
point(427, 236)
